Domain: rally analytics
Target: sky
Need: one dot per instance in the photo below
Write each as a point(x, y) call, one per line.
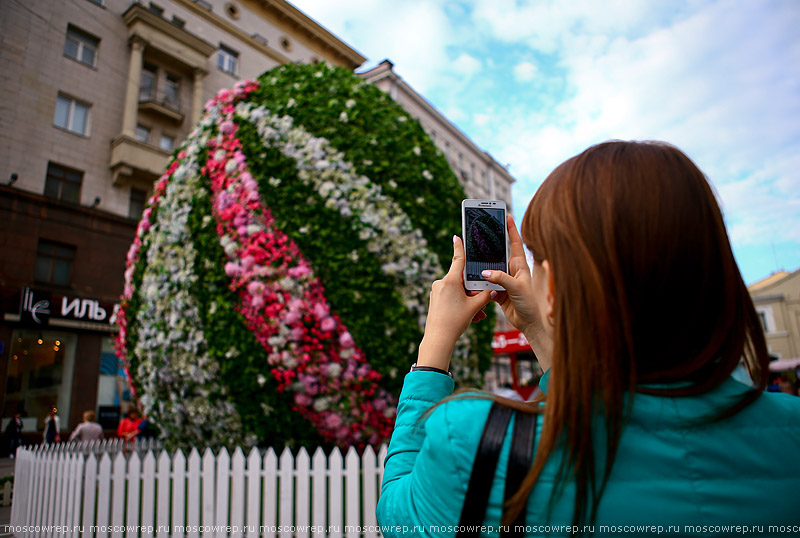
point(534, 82)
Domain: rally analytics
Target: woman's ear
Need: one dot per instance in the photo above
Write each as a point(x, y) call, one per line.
point(551, 290)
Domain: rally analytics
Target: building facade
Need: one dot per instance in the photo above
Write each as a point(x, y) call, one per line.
point(98, 93)
point(777, 302)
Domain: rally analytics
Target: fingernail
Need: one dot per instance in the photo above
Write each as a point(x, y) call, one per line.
point(455, 239)
point(493, 294)
point(486, 273)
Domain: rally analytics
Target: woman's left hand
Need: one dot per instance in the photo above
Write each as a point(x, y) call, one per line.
point(450, 312)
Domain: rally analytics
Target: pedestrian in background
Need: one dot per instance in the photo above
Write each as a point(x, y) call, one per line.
point(88, 430)
point(636, 309)
point(52, 427)
point(13, 433)
point(128, 427)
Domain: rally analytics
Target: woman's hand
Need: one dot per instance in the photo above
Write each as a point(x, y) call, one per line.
point(450, 312)
point(525, 303)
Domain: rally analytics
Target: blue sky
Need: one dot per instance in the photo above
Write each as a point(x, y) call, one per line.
point(536, 82)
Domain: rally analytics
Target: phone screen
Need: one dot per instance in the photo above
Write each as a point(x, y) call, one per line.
point(485, 241)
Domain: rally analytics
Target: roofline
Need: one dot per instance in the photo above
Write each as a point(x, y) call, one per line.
point(385, 69)
point(316, 30)
point(757, 287)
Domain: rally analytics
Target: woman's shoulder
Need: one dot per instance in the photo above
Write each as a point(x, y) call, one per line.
point(460, 420)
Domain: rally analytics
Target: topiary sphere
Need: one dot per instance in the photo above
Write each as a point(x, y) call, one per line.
point(277, 287)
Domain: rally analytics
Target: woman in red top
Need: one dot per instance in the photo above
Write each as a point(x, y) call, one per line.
point(128, 427)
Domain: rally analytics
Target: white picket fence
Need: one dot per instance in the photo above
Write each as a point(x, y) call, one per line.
point(67, 490)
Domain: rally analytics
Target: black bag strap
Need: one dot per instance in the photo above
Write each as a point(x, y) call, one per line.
point(519, 463)
point(480, 481)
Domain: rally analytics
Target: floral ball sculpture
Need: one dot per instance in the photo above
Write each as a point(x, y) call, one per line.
point(278, 283)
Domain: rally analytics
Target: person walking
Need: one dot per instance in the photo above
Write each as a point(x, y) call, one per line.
point(636, 310)
point(88, 430)
point(52, 427)
point(13, 433)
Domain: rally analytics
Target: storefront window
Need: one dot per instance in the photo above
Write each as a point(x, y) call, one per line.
point(113, 388)
point(40, 370)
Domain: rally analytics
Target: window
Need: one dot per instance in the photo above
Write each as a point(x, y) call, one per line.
point(142, 133)
point(156, 9)
point(147, 83)
point(172, 91)
point(71, 115)
point(167, 143)
point(766, 317)
point(81, 46)
point(40, 373)
point(53, 263)
point(63, 183)
point(136, 207)
point(177, 21)
point(227, 59)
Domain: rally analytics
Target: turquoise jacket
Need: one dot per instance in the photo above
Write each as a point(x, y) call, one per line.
point(737, 476)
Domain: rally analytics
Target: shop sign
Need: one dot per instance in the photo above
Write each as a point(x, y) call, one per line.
point(38, 307)
point(510, 342)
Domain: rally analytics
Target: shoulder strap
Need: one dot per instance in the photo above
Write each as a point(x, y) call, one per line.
point(480, 481)
point(519, 462)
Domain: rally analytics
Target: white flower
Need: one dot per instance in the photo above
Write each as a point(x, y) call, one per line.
point(343, 117)
point(417, 150)
point(427, 175)
point(350, 103)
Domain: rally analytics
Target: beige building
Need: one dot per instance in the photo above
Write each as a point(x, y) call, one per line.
point(479, 173)
point(103, 90)
point(777, 302)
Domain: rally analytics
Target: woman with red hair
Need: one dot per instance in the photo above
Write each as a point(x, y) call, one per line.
point(636, 309)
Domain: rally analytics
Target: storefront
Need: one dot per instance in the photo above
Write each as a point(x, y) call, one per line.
point(57, 350)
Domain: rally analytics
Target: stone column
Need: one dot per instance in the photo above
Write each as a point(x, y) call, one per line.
point(197, 96)
point(132, 90)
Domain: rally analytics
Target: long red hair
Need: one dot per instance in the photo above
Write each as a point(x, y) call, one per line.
point(647, 291)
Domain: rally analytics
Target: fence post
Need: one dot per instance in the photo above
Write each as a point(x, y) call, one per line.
point(253, 492)
point(178, 490)
point(193, 487)
point(302, 493)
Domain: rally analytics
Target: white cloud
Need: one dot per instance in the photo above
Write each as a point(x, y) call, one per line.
point(466, 65)
point(524, 71)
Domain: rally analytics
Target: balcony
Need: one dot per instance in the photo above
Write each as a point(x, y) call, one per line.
point(136, 163)
point(162, 103)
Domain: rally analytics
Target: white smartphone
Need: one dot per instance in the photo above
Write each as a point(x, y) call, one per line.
point(484, 232)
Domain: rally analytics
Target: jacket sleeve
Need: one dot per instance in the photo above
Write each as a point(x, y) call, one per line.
point(420, 464)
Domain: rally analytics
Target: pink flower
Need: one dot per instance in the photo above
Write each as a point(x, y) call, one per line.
point(302, 399)
point(333, 421)
point(227, 127)
point(320, 311)
point(346, 340)
point(232, 269)
point(293, 317)
point(257, 302)
point(328, 324)
point(248, 262)
point(299, 271)
point(297, 334)
point(256, 287)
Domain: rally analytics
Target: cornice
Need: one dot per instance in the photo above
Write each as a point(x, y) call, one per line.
point(313, 30)
point(138, 12)
point(231, 29)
